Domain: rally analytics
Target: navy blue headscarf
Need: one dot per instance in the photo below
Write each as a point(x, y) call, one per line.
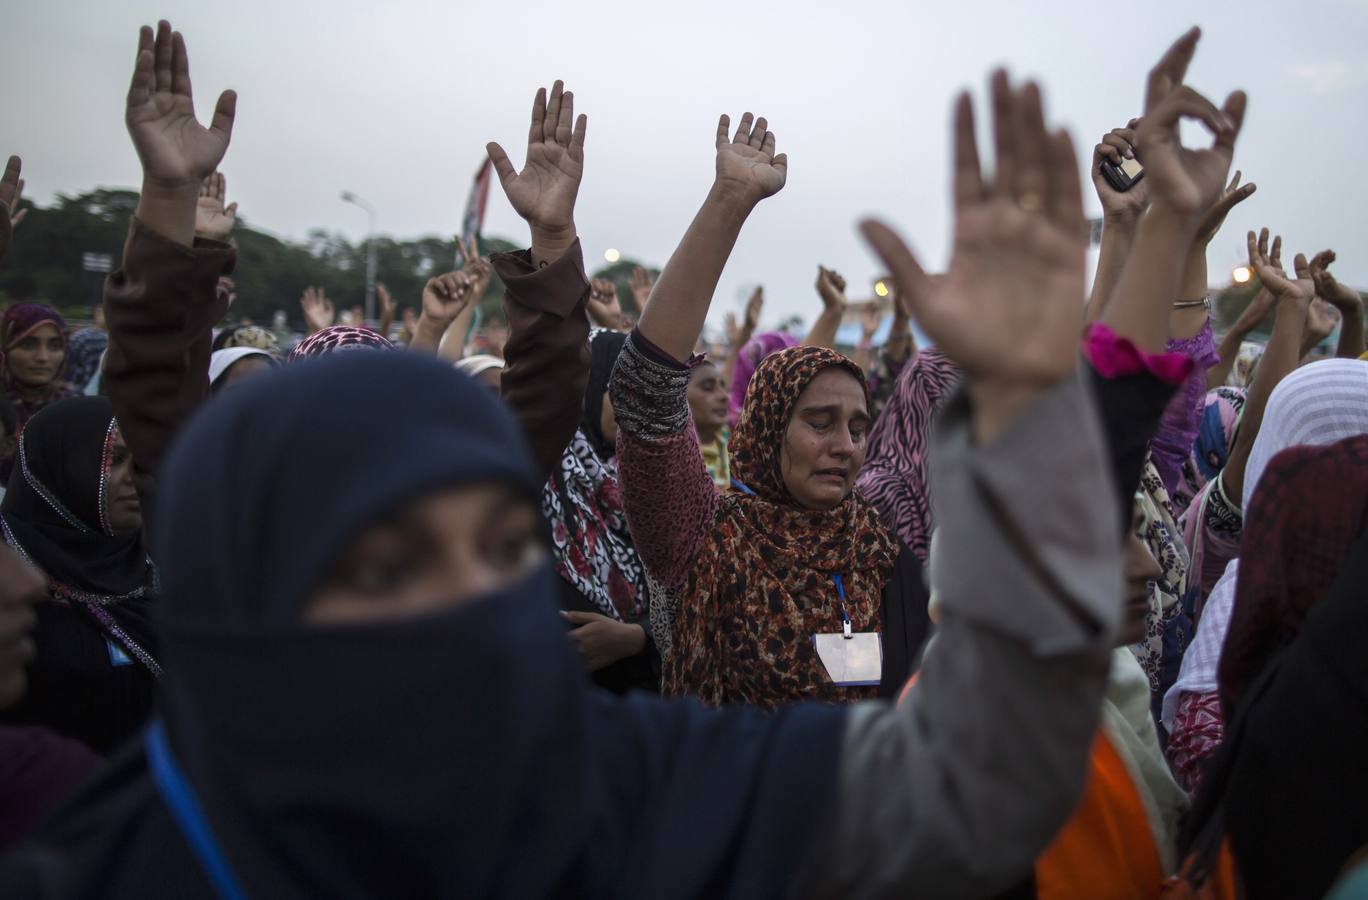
point(456, 754)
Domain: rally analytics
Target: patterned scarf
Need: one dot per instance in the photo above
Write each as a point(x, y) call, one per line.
point(593, 545)
point(1310, 509)
point(338, 338)
point(743, 369)
point(1215, 437)
point(894, 477)
point(761, 585)
point(84, 350)
point(583, 502)
point(1168, 624)
point(253, 336)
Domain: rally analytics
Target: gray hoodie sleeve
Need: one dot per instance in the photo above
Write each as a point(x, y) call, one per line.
point(954, 792)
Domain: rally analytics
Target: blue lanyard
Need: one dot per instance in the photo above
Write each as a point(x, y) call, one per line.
point(835, 576)
point(185, 809)
point(840, 592)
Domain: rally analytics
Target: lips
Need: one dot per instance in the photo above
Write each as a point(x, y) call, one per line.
point(832, 474)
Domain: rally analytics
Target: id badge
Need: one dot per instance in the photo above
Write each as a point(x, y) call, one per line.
point(117, 656)
point(855, 661)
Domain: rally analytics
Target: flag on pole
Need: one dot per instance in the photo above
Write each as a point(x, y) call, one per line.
point(476, 204)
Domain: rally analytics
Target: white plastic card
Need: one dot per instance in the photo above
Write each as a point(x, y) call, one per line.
point(855, 661)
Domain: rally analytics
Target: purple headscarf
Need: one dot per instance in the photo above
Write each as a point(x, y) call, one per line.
point(756, 349)
point(21, 319)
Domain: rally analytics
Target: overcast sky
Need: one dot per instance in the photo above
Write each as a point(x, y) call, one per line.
point(396, 100)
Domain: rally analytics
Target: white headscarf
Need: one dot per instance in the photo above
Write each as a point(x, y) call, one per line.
point(222, 360)
point(480, 362)
point(1318, 404)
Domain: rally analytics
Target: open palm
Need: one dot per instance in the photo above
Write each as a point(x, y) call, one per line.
point(1009, 311)
point(544, 192)
point(746, 164)
point(174, 148)
point(214, 219)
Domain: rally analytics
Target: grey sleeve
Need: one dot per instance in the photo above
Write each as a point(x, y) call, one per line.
point(956, 791)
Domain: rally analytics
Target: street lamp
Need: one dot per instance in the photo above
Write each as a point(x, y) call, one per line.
point(349, 197)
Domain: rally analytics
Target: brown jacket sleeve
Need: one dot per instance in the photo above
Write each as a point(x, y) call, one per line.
point(547, 354)
point(161, 306)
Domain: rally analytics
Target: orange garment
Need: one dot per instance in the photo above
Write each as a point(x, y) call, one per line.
point(1106, 851)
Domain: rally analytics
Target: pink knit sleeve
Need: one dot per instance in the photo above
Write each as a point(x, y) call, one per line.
point(669, 496)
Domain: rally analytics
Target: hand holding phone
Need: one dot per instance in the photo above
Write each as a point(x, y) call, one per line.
point(1124, 176)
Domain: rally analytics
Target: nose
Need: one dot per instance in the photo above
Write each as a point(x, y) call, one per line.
point(842, 444)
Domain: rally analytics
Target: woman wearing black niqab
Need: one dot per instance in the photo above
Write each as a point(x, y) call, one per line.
point(352, 709)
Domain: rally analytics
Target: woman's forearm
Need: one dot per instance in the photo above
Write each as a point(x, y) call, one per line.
point(673, 319)
point(1279, 359)
point(1351, 333)
point(1141, 305)
point(823, 333)
point(1117, 238)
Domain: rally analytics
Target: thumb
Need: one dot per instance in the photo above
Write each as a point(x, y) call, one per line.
point(899, 260)
point(231, 209)
point(224, 114)
point(502, 165)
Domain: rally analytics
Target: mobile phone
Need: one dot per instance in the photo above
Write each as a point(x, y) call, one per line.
point(1125, 176)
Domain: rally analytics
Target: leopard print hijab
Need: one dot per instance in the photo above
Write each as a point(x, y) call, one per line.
point(762, 584)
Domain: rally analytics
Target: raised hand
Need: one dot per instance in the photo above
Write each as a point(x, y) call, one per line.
point(544, 192)
point(1010, 310)
point(174, 148)
point(604, 308)
point(318, 309)
point(1185, 181)
point(1233, 195)
point(1345, 299)
point(1118, 207)
point(213, 220)
point(1342, 297)
point(476, 268)
point(446, 297)
point(831, 288)
point(1321, 319)
point(747, 167)
point(1268, 266)
point(641, 284)
point(754, 306)
point(11, 188)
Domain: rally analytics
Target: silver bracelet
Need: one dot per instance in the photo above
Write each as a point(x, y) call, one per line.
point(1205, 302)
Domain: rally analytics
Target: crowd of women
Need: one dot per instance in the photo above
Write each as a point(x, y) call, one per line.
point(1043, 610)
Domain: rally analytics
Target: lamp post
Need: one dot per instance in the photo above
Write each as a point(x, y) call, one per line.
point(349, 197)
